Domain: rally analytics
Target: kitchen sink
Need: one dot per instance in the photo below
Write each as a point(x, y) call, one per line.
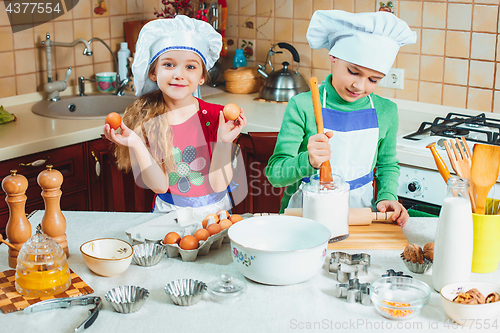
point(83, 107)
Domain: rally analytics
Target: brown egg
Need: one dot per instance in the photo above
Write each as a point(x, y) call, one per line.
point(205, 220)
point(114, 120)
point(220, 212)
point(235, 218)
point(172, 238)
point(202, 234)
point(214, 229)
point(188, 242)
point(224, 224)
point(231, 111)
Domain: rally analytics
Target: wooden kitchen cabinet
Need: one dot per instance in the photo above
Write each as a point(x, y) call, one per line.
point(68, 160)
point(113, 190)
point(257, 148)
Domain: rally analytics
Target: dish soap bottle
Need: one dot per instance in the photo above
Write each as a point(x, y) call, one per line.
point(123, 55)
point(454, 236)
point(239, 59)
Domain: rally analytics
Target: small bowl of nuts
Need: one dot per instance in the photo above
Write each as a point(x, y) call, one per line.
point(416, 259)
point(469, 302)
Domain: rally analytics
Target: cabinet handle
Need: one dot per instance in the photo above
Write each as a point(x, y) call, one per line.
point(35, 163)
point(97, 165)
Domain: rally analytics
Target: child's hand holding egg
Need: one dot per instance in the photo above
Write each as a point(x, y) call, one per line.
point(231, 111)
point(114, 120)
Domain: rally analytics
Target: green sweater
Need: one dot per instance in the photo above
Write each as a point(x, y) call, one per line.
point(290, 160)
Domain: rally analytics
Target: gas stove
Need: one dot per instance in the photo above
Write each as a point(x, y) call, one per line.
point(426, 185)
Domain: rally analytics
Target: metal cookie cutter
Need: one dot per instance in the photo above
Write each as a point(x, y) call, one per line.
point(354, 292)
point(360, 262)
point(67, 302)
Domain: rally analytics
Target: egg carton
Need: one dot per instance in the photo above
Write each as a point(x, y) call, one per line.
point(155, 230)
point(213, 242)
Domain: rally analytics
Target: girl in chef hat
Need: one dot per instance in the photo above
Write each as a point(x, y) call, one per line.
point(177, 145)
point(361, 127)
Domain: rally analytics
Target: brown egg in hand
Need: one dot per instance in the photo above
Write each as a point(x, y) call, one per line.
point(188, 242)
point(172, 238)
point(231, 111)
point(114, 120)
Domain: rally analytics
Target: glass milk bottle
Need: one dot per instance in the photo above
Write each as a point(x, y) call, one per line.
point(454, 236)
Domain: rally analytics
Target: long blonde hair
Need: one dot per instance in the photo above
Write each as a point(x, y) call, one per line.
point(157, 134)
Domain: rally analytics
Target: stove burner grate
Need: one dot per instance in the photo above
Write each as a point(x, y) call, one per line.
point(457, 125)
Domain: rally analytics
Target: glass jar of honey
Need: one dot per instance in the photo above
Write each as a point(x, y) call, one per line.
point(41, 269)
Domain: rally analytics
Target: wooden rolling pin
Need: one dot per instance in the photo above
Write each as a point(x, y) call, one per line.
point(357, 216)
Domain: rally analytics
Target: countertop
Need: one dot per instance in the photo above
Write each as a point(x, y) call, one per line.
point(32, 133)
point(263, 308)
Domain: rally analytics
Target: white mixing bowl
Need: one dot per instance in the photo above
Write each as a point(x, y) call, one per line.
point(278, 250)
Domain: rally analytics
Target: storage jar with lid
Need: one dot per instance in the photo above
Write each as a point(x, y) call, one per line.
point(41, 269)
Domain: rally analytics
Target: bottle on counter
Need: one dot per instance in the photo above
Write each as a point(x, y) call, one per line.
point(454, 236)
point(239, 59)
point(123, 55)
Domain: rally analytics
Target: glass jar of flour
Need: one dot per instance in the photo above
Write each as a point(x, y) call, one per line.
point(328, 204)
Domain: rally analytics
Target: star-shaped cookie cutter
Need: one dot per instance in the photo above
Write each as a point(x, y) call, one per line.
point(359, 261)
point(354, 292)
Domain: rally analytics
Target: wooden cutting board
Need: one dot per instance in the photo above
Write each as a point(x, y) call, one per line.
point(377, 236)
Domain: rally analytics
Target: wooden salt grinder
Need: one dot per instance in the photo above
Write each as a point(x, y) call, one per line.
point(53, 221)
point(18, 227)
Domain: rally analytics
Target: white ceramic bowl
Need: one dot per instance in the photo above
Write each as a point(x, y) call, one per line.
point(278, 250)
point(107, 256)
point(466, 314)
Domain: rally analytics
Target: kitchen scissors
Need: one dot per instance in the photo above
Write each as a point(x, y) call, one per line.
point(59, 303)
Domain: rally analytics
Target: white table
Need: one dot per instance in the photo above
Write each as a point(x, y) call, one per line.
point(308, 307)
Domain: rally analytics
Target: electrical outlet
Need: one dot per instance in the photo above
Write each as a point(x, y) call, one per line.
point(395, 79)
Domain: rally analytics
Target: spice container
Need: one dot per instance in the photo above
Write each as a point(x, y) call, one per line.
point(329, 205)
point(41, 267)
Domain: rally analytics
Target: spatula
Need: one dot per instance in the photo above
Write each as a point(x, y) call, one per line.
point(325, 170)
point(484, 171)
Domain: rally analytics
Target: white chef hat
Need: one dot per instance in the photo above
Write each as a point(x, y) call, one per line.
point(179, 33)
point(371, 40)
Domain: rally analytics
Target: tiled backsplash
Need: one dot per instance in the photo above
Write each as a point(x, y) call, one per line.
point(455, 62)
point(22, 57)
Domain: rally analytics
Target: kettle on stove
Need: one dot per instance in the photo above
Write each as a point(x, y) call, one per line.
point(282, 84)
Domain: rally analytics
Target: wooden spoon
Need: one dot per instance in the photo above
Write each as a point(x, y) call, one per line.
point(325, 170)
point(7, 243)
point(484, 172)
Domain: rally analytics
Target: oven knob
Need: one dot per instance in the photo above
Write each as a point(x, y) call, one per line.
point(414, 187)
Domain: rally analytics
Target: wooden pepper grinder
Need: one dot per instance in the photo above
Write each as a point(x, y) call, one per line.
point(53, 221)
point(18, 227)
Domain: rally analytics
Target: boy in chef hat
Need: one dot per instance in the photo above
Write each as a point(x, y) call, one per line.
point(361, 127)
point(177, 145)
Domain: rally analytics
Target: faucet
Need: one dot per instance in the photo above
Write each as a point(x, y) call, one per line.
point(120, 84)
point(52, 88)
